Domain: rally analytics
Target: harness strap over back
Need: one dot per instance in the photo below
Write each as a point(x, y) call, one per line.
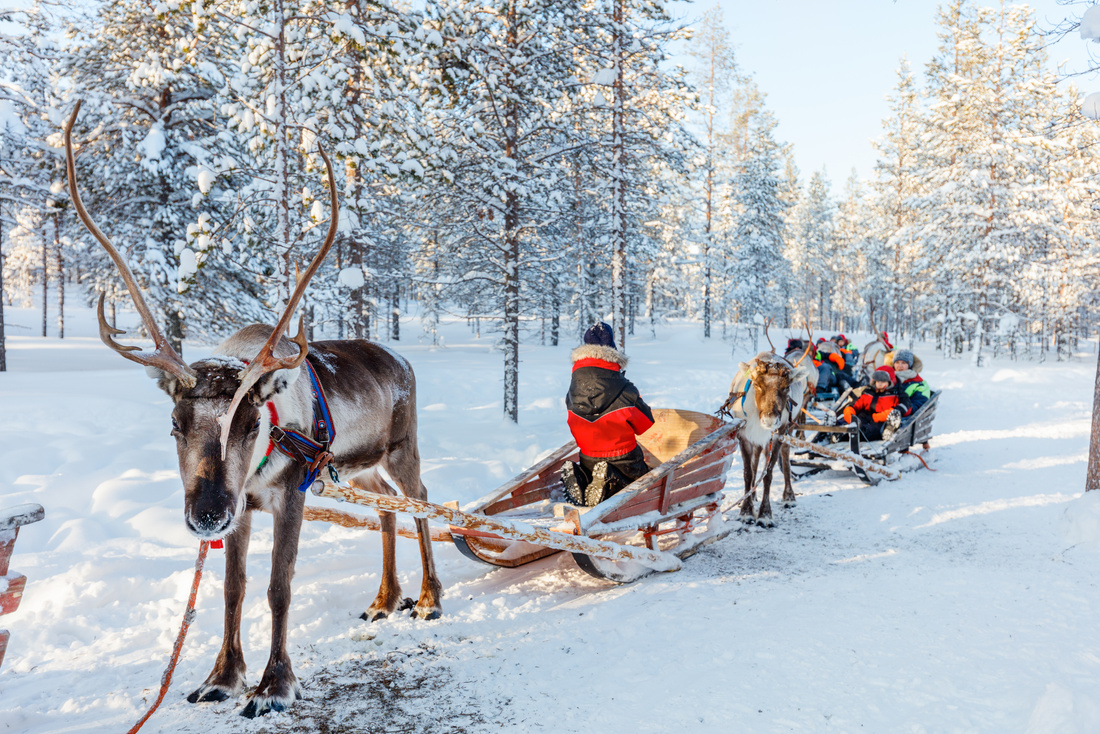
point(312, 452)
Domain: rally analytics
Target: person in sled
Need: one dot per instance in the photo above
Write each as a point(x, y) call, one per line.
point(879, 407)
point(906, 368)
point(830, 364)
point(605, 414)
point(851, 357)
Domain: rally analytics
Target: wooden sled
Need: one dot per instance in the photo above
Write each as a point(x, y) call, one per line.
point(674, 509)
point(651, 525)
point(870, 461)
point(12, 584)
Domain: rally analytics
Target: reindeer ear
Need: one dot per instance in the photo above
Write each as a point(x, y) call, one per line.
point(272, 384)
point(166, 381)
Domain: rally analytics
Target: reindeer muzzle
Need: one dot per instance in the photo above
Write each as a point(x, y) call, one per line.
point(209, 524)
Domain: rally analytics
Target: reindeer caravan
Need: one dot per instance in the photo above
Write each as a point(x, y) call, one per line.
point(875, 404)
point(267, 418)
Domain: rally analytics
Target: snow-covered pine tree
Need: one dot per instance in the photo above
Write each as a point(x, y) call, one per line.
point(981, 158)
point(376, 129)
point(890, 256)
point(758, 267)
point(715, 77)
point(643, 125)
point(31, 168)
point(501, 123)
point(146, 126)
point(856, 251)
point(811, 251)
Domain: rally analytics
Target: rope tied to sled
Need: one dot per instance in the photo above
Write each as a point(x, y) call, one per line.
point(188, 617)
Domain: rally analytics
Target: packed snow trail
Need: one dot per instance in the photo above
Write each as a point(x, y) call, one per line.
point(960, 600)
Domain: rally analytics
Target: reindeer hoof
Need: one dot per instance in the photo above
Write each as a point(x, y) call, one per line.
point(788, 504)
point(262, 705)
point(369, 616)
point(426, 613)
point(765, 522)
point(406, 604)
point(747, 519)
point(215, 695)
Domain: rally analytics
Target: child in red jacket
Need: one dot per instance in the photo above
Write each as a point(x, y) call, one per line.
point(605, 414)
point(879, 408)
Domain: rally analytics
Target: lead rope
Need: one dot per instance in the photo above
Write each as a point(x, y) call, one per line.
point(188, 617)
point(907, 452)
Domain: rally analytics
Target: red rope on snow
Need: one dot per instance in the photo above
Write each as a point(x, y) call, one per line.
point(188, 617)
point(910, 453)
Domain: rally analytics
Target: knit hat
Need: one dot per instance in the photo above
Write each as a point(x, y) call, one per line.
point(841, 340)
point(601, 334)
point(884, 374)
point(904, 355)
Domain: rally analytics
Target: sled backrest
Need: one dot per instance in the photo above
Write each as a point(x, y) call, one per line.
point(673, 431)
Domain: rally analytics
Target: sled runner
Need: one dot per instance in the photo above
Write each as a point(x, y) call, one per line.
point(868, 460)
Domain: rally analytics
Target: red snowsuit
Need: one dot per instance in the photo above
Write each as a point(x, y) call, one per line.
point(606, 412)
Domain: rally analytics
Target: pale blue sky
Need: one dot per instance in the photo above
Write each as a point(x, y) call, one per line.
point(827, 66)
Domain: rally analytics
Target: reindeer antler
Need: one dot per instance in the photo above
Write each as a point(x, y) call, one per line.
point(809, 344)
point(264, 362)
point(163, 357)
point(874, 329)
point(767, 323)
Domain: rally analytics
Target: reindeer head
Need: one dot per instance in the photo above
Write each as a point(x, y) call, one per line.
point(214, 427)
point(771, 380)
point(213, 496)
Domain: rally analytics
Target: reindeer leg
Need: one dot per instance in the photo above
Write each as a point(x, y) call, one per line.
point(389, 588)
point(749, 455)
point(227, 678)
point(764, 516)
point(788, 489)
point(389, 598)
point(279, 686)
point(431, 591)
point(403, 464)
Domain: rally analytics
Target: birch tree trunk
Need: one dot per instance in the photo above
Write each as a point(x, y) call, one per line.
point(1092, 478)
point(395, 312)
point(3, 347)
point(60, 278)
point(280, 131)
point(45, 279)
point(618, 183)
point(511, 251)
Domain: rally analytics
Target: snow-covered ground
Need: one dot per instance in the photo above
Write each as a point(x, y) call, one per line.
point(955, 601)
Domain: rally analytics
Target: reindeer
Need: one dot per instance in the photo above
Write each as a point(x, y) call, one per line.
point(874, 354)
point(231, 409)
point(769, 393)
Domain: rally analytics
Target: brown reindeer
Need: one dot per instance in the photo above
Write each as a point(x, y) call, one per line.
point(255, 376)
point(769, 393)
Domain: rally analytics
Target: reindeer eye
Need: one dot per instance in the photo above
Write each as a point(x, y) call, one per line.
point(256, 425)
point(175, 424)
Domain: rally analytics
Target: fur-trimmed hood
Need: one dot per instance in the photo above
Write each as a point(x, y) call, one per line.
point(597, 351)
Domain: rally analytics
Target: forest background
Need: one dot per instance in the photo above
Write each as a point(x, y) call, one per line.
point(532, 166)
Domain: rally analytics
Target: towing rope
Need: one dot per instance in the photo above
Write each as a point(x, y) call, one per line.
point(910, 453)
point(188, 617)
